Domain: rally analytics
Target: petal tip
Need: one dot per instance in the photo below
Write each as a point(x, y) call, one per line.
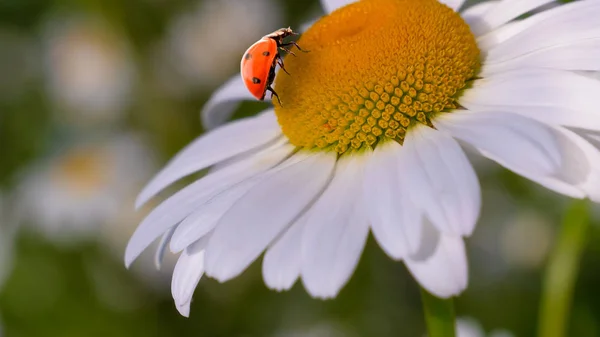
point(184, 309)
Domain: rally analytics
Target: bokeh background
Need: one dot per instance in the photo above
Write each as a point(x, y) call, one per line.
point(95, 95)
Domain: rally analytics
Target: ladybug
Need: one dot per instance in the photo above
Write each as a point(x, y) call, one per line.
point(259, 62)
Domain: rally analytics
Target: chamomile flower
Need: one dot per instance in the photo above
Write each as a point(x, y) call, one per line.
point(75, 193)
point(90, 69)
point(367, 141)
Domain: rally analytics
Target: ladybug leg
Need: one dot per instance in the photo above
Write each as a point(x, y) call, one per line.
point(274, 94)
point(287, 50)
point(280, 63)
point(293, 43)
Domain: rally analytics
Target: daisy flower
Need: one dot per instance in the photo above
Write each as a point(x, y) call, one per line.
point(367, 140)
point(90, 69)
point(76, 192)
point(525, 240)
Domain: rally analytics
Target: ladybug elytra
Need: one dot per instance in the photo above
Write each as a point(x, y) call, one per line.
point(259, 62)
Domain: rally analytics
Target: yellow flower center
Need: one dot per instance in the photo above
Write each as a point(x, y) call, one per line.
point(83, 171)
point(373, 69)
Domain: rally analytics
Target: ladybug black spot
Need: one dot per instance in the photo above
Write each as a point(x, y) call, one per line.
point(255, 80)
point(266, 53)
point(248, 56)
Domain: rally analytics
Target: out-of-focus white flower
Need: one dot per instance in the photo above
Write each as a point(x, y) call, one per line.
point(86, 192)
point(84, 187)
point(469, 327)
point(204, 45)
point(89, 67)
point(526, 239)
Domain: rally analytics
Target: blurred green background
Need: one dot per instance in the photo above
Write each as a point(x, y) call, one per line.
point(95, 95)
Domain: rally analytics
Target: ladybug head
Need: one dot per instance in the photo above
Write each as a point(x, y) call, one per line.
point(288, 31)
point(281, 34)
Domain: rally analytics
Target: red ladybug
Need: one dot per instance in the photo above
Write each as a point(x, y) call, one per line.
point(259, 62)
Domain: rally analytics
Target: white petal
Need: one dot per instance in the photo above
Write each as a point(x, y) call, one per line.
point(595, 75)
point(331, 5)
point(521, 143)
point(223, 102)
point(236, 159)
point(497, 36)
point(592, 184)
point(504, 12)
point(444, 273)
point(479, 8)
point(336, 231)
point(264, 212)
point(472, 15)
point(555, 185)
point(565, 24)
point(184, 202)
point(213, 147)
point(579, 55)
point(162, 247)
point(551, 96)
point(186, 275)
point(441, 180)
point(490, 40)
point(282, 261)
point(454, 4)
point(395, 220)
point(525, 146)
point(206, 217)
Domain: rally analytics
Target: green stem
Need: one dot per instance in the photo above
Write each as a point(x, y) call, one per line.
point(439, 315)
point(561, 271)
